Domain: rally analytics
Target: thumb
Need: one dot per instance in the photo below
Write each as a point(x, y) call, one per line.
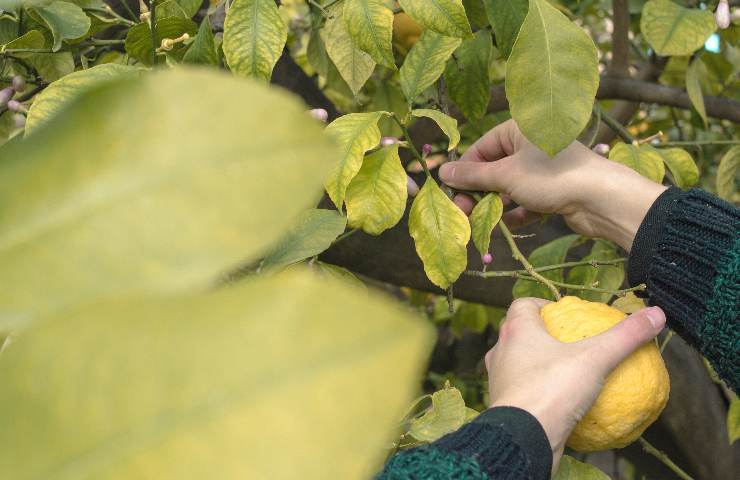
point(617, 343)
point(477, 176)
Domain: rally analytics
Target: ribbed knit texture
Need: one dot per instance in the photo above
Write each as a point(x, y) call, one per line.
point(687, 253)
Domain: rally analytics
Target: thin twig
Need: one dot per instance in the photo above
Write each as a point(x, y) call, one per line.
point(616, 126)
point(559, 266)
point(597, 127)
point(411, 145)
point(572, 286)
point(698, 142)
point(664, 459)
point(665, 341)
point(153, 29)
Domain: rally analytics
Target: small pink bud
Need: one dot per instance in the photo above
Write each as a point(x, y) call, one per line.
point(16, 106)
point(487, 259)
point(319, 114)
point(19, 83)
point(5, 95)
point(411, 186)
point(601, 148)
point(426, 149)
point(722, 14)
point(385, 141)
point(20, 120)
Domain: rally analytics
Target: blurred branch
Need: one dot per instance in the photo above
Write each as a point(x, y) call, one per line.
point(619, 65)
point(559, 266)
point(615, 125)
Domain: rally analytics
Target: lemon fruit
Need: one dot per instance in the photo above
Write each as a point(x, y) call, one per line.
point(634, 394)
point(406, 32)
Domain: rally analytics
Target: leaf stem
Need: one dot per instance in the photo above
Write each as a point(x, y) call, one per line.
point(559, 266)
point(153, 30)
point(664, 459)
point(665, 341)
point(345, 235)
point(614, 124)
point(411, 146)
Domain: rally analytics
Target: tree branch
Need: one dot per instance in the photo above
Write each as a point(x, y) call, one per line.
point(619, 65)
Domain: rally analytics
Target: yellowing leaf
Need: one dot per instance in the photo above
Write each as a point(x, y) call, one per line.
point(354, 65)
point(733, 420)
point(572, 469)
point(693, 86)
point(674, 30)
point(445, 122)
point(122, 211)
point(629, 304)
point(341, 274)
point(551, 78)
point(467, 78)
point(33, 39)
point(206, 385)
point(66, 21)
point(254, 37)
point(376, 198)
point(446, 17)
point(355, 133)
point(726, 173)
point(609, 277)
point(682, 166)
point(425, 63)
point(551, 253)
point(65, 90)
point(485, 216)
point(506, 17)
point(370, 25)
point(447, 414)
point(643, 159)
point(441, 233)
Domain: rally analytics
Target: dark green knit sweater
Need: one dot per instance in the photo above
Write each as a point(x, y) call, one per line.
point(687, 251)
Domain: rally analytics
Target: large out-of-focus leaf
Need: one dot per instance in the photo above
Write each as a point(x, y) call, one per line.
point(153, 201)
point(447, 414)
point(643, 159)
point(355, 133)
point(446, 123)
point(203, 49)
point(726, 173)
point(693, 87)
point(468, 78)
point(551, 253)
point(671, 29)
point(446, 17)
point(312, 233)
point(254, 37)
point(441, 233)
point(66, 21)
point(609, 277)
point(682, 166)
point(206, 385)
point(551, 78)
point(52, 100)
point(370, 25)
point(485, 216)
point(376, 198)
point(425, 63)
point(572, 469)
point(354, 65)
point(139, 38)
point(506, 17)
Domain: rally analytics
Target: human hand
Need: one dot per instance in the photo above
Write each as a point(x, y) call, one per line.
point(554, 381)
point(597, 197)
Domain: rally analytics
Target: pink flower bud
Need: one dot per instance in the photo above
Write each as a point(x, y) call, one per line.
point(385, 141)
point(5, 95)
point(411, 186)
point(20, 120)
point(319, 114)
point(426, 149)
point(601, 149)
point(15, 106)
point(19, 83)
point(487, 259)
point(722, 14)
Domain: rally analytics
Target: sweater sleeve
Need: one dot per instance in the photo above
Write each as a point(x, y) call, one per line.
point(502, 443)
point(687, 252)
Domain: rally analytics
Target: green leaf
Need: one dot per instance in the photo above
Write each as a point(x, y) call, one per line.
point(140, 214)
point(354, 65)
point(369, 24)
point(32, 39)
point(447, 414)
point(389, 98)
point(51, 101)
point(476, 13)
point(190, 7)
point(609, 277)
point(441, 233)
point(376, 197)
point(484, 218)
point(206, 385)
point(52, 66)
point(469, 317)
point(66, 21)
point(572, 469)
point(170, 8)
point(445, 122)
point(425, 63)
point(693, 87)
point(355, 133)
point(643, 159)
point(551, 78)
point(311, 234)
point(733, 420)
point(203, 49)
point(328, 270)
point(316, 53)
point(467, 78)
point(551, 253)
point(671, 29)
point(726, 173)
point(139, 38)
point(682, 166)
point(506, 17)
point(446, 17)
point(254, 37)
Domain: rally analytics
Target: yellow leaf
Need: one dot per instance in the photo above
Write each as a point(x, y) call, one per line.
point(643, 159)
point(425, 63)
point(447, 414)
point(445, 122)
point(446, 17)
point(674, 30)
point(485, 216)
point(354, 65)
point(726, 173)
point(370, 25)
point(682, 166)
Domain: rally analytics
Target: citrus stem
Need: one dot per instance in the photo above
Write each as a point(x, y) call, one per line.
point(346, 234)
point(614, 124)
point(571, 286)
point(412, 147)
point(665, 341)
point(664, 459)
point(559, 266)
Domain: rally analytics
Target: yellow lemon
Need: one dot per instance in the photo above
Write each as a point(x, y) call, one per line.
point(634, 394)
point(406, 32)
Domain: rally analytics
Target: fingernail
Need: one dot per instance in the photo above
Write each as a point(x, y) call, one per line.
point(446, 171)
point(656, 317)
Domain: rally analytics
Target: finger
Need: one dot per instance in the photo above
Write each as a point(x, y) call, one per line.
point(477, 176)
point(611, 347)
point(505, 199)
point(520, 217)
point(465, 202)
point(492, 146)
point(524, 314)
